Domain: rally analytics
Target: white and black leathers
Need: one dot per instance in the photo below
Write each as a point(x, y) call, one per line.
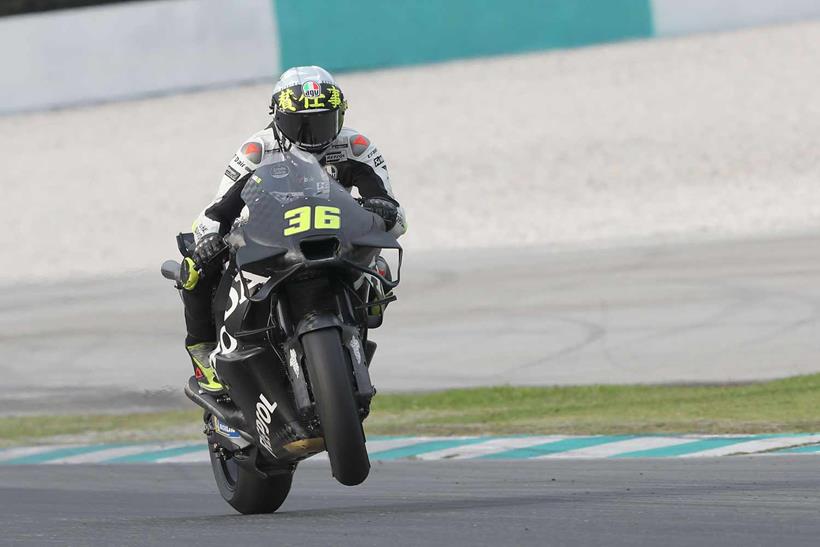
point(351, 159)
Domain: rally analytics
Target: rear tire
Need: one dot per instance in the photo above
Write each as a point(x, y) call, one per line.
point(331, 379)
point(248, 492)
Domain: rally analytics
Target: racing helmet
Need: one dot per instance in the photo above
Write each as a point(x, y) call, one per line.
point(308, 107)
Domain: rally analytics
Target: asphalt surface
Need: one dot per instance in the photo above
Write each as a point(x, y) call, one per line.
point(720, 312)
point(731, 501)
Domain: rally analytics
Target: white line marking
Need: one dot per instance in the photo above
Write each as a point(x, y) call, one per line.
point(110, 453)
point(758, 445)
point(617, 447)
point(11, 453)
point(192, 457)
point(491, 446)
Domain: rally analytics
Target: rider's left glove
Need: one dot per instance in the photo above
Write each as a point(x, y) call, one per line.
point(385, 209)
point(208, 248)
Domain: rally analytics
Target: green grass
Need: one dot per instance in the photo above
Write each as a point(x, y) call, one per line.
point(790, 405)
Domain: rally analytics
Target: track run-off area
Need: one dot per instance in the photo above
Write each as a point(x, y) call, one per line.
point(732, 311)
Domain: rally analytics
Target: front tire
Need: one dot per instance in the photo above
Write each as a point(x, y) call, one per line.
point(331, 380)
point(246, 491)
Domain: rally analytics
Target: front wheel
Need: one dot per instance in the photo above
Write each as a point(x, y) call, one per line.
point(246, 491)
point(331, 380)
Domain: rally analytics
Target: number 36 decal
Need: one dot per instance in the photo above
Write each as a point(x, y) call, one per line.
point(324, 218)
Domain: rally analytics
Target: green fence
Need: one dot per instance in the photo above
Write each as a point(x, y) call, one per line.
point(362, 34)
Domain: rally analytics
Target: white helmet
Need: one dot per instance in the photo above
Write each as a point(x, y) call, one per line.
point(308, 107)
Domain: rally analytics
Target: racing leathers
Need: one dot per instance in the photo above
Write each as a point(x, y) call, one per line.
point(351, 159)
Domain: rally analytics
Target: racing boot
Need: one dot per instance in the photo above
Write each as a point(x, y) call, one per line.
point(203, 371)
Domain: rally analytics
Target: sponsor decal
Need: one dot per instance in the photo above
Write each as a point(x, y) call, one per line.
point(264, 411)
point(312, 95)
point(378, 161)
point(279, 171)
point(311, 89)
point(224, 429)
point(232, 174)
point(294, 363)
point(240, 163)
point(227, 343)
point(252, 151)
point(359, 144)
point(373, 153)
point(340, 146)
point(333, 171)
point(357, 349)
point(334, 157)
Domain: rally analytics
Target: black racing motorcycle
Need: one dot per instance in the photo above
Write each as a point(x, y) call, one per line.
point(297, 297)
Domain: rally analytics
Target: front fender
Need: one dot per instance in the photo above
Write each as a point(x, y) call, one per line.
point(317, 321)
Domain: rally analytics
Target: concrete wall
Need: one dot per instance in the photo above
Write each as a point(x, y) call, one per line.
point(136, 49)
point(674, 17)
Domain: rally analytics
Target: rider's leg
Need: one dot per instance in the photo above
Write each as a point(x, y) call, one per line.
point(200, 340)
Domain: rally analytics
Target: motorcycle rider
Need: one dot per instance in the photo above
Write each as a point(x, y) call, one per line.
point(308, 109)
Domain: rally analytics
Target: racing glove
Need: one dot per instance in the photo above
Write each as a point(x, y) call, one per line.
point(385, 209)
point(208, 248)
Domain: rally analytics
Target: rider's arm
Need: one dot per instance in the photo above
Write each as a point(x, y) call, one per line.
point(367, 171)
point(227, 203)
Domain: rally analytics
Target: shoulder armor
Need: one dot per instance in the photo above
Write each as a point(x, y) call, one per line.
point(247, 158)
point(253, 150)
point(358, 144)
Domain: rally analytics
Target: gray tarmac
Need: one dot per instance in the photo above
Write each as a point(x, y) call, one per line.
point(743, 501)
point(719, 312)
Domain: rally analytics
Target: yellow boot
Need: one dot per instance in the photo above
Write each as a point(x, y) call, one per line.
point(203, 371)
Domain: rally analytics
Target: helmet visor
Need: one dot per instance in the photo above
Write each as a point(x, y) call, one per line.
point(309, 128)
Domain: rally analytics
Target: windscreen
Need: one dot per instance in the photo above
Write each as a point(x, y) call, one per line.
point(287, 176)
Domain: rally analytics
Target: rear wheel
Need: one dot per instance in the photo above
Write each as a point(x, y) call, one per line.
point(331, 380)
point(245, 490)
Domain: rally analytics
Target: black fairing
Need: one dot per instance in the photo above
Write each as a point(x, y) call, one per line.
point(292, 284)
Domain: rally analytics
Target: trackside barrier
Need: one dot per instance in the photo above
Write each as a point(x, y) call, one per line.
point(357, 34)
point(140, 48)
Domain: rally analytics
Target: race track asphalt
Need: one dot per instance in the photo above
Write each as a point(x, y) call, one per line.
point(738, 501)
point(710, 312)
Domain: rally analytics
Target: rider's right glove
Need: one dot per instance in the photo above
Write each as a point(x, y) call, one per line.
point(385, 209)
point(207, 249)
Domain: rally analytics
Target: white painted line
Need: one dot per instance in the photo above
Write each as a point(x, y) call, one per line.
point(491, 446)
point(199, 456)
point(390, 444)
point(110, 453)
point(379, 445)
point(23, 451)
point(618, 447)
point(758, 445)
point(372, 446)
